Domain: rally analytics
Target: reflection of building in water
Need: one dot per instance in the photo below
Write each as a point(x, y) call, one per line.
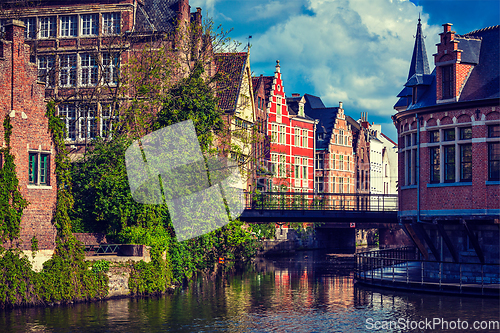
point(339, 290)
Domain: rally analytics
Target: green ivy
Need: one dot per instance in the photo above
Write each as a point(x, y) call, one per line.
point(12, 202)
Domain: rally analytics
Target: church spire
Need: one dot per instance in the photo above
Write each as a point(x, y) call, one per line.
point(419, 63)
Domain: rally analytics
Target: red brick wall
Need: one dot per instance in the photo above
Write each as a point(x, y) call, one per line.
point(21, 93)
point(478, 195)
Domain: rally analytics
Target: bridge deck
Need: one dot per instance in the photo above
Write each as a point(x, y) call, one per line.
point(334, 209)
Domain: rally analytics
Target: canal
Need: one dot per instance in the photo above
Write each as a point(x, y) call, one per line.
point(303, 293)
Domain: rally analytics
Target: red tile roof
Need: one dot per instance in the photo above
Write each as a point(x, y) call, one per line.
point(230, 67)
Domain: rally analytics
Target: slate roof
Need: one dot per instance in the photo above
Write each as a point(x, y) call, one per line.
point(293, 107)
point(419, 63)
point(157, 15)
point(315, 109)
point(480, 48)
point(230, 68)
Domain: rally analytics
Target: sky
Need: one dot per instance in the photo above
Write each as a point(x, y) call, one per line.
point(354, 51)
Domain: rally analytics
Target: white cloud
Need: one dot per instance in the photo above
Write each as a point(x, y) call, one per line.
point(273, 8)
point(355, 51)
point(208, 7)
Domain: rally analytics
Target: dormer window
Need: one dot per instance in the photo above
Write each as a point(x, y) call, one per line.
point(447, 81)
point(301, 110)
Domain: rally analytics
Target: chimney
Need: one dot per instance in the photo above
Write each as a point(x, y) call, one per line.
point(295, 95)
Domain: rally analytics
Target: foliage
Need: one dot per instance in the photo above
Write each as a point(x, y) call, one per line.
point(100, 266)
point(103, 202)
point(264, 230)
point(12, 202)
point(18, 283)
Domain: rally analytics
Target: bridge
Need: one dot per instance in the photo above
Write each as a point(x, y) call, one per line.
point(339, 210)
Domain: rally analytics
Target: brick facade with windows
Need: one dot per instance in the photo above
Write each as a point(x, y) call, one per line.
point(291, 134)
point(22, 99)
point(80, 47)
point(449, 148)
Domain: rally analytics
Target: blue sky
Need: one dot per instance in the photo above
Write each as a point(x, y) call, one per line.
point(354, 51)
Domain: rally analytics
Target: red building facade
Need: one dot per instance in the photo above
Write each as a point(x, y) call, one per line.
point(291, 134)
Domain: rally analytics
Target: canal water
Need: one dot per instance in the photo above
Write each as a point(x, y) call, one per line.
point(303, 293)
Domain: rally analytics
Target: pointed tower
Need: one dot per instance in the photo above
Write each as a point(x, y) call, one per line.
point(419, 63)
point(419, 76)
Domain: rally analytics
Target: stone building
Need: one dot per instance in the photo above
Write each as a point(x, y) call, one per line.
point(22, 99)
point(82, 47)
point(448, 124)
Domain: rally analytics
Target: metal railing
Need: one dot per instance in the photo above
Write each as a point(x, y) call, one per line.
point(101, 249)
point(401, 267)
point(321, 201)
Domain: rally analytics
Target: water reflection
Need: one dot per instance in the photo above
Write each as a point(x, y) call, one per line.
point(301, 294)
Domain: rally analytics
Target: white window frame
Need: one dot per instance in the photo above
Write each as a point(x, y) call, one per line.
point(47, 27)
point(68, 26)
point(67, 71)
point(111, 23)
point(89, 24)
point(89, 70)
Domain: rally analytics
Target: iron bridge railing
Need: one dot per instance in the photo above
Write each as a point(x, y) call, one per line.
point(321, 201)
point(401, 267)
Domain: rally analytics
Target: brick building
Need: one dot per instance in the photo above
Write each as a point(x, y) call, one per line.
point(291, 132)
point(448, 124)
point(334, 158)
point(22, 99)
point(81, 47)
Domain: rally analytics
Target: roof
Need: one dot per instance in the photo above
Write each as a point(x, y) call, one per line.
point(293, 107)
point(230, 67)
point(481, 49)
point(157, 15)
point(385, 136)
point(419, 63)
point(315, 109)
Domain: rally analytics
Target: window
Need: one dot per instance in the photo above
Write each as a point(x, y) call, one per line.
point(67, 73)
point(466, 163)
point(494, 161)
point(46, 71)
point(297, 137)
point(319, 184)
point(449, 163)
point(320, 159)
point(408, 168)
point(434, 164)
point(465, 133)
point(341, 137)
point(304, 168)
point(38, 168)
point(434, 136)
point(341, 185)
point(30, 31)
point(297, 167)
point(69, 26)
point(347, 164)
point(304, 138)
point(282, 135)
point(111, 23)
point(341, 162)
point(333, 161)
point(447, 82)
point(88, 69)
point(89, 24)
point(449, 134)
point(494, 131)
point(301, 110)
point(278, 105)
point(274, 133)
point(88, 122)
point(47, 27)
point(68, 113)
point(111, 68)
